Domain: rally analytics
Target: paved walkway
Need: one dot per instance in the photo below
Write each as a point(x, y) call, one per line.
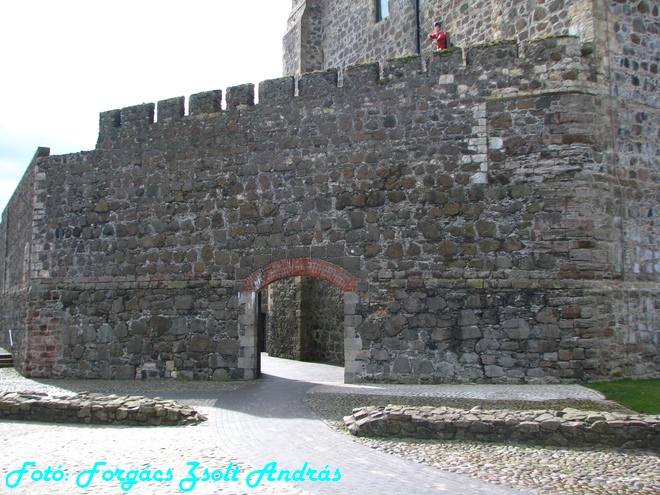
point(256, 424)
point(266, 422)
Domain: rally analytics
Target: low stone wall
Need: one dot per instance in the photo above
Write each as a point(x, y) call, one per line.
point(96, 409)
point(568, 427)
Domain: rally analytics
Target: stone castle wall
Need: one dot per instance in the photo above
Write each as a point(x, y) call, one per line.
point(630, 30)
point(322, 308)
point(15, 255)
point(471, 199)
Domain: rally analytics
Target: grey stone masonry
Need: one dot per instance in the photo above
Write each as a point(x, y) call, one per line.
point(89, 408)
point(488, 211)
point(341, 33)
point(568, 427)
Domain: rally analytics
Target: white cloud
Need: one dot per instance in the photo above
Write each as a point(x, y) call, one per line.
point(72, 59)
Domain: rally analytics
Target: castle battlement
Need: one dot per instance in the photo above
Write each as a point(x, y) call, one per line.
point(502, 69)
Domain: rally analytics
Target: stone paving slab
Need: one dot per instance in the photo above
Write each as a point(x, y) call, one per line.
point(267, 422)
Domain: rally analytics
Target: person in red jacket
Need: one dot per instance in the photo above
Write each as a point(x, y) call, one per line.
point(440, 37)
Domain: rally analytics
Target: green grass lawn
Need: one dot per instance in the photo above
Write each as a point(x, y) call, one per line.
point(642, 396)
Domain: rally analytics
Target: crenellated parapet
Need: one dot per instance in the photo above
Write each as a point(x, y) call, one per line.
point(487, 71)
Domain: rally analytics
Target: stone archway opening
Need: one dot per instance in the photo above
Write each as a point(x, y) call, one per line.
point(300, 332)
point(302, 318)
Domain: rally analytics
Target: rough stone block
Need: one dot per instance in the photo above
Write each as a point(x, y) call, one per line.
point(138, 114)
point(276, 90)
point(552, 50)
point(361, 76)
point(126, 372)
point(445, 62)
point(185, 375)
point(470, 332)
point(516, 328)
point(183, 302)
point(240, 95)
point(171, 109)
point(228, 347)
point(496, 55)
point(401, 365)
point(397, 68)
point(220, 375)
point(200, 343)
point(317, 83)
point(205, 102)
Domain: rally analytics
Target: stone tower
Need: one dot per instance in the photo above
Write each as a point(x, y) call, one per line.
point(340, 33)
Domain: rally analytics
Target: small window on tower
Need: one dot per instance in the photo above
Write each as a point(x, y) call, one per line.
point(383, 9)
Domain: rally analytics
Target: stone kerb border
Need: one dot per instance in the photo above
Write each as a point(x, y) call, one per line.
point(568, 427)
point(89, 408)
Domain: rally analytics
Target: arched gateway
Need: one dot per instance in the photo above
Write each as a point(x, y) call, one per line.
point(296, 267)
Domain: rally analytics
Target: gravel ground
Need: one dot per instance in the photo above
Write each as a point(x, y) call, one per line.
point(539, 470)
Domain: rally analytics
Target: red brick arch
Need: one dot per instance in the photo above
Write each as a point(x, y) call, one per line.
point(300, 267)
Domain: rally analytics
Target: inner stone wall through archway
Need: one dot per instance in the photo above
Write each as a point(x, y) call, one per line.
point(249, 331)
point(303, 320)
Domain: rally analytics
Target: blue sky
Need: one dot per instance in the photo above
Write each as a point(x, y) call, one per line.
point(65, 62)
